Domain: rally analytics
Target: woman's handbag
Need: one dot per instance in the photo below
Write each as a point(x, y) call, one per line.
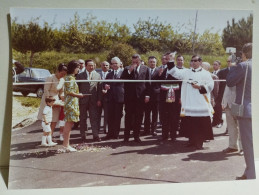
point(238, 109)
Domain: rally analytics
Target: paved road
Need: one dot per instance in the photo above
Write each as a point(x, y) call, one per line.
point(114, 163)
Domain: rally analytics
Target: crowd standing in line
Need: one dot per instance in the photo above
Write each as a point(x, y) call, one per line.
point(189, 106)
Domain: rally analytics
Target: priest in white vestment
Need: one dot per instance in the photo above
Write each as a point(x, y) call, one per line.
point(195, 98)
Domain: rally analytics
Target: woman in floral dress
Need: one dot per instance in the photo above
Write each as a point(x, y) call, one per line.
point(71, 108)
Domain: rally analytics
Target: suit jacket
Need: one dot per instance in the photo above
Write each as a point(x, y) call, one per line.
point(229, 96)
point(222, 75)
point(116, 91)
point(163, 93)
point(134, 90)
point(104, 98)
point(236, 77)
point(94, 88)
point(155, 86)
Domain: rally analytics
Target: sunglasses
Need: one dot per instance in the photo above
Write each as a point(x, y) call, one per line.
point(194, 60)
point(228, 61)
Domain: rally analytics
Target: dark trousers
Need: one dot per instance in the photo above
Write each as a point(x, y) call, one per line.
point(103, 108)
point(134, 111)
point(200, 130)
point(217, 116)
point(114, 118)
point(169, 119)
point(93, 114)
point(150, 126)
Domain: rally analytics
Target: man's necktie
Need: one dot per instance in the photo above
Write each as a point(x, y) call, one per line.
point(115, 74)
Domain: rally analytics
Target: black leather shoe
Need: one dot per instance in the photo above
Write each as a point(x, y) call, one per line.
point(107, 137)
point(145, 133)
point(243, 177)
point(126, 140)
point(137, 140)
point(97, 139)
point(188, 145)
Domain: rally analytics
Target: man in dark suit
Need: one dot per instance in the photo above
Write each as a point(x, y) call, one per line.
point(152, 105)
point(169, 100)
point(136, 95)
point(104, 106)
point(240, 76)
point(92, 101)
point(115, 99)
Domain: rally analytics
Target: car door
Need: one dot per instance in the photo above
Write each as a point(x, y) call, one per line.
point(24, 77)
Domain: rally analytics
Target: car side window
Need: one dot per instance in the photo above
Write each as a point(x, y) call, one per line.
point(23, 74)
point(27, 73)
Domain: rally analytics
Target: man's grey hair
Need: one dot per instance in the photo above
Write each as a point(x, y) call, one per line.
point(136, 56)
point(116, 59)
point(206, 65)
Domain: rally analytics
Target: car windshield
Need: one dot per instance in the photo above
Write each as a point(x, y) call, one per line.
point(40, 73)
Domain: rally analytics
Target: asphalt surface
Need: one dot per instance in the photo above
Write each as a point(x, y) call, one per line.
point(112, 162)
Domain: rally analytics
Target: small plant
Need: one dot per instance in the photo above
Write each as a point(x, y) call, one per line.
point(29, 101)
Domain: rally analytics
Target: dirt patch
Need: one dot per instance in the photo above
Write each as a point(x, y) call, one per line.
point(22, 116)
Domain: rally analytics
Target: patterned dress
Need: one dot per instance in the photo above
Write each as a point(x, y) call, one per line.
point(71, 108)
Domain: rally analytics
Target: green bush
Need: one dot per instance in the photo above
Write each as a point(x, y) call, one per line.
point(29, 101)
point(122, 51)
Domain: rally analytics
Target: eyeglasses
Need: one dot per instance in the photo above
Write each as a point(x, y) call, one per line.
point(105, 65)
point(194, 60)
point(228, 61)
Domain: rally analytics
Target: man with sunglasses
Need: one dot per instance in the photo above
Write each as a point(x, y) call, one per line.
point(195, 98)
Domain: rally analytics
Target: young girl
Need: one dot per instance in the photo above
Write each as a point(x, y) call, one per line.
point(46, 120)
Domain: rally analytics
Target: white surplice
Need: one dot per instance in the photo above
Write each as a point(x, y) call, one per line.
point(193, 102)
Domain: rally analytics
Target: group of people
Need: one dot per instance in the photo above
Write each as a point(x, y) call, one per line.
point(187, 101)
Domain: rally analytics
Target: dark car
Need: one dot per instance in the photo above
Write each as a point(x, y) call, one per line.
point(31, 75)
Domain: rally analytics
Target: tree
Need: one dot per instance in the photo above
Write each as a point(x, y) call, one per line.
point(31, 38)
point(209, 43)
point(151, 35)
point(238, 33)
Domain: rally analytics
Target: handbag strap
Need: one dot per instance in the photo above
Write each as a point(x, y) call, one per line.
point(244, 84)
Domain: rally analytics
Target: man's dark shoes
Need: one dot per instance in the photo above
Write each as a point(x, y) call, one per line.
point(126, 140)
point(137, 140)
point(188, 145)
point(243, 177)
point(230, 150)
point(153, 133)
point(145, 133)
point(107, 137)
point(97, 139)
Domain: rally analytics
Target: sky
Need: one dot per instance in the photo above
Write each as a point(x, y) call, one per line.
point(214, 20)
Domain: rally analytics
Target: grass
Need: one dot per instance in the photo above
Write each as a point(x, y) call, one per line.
point(29, 101)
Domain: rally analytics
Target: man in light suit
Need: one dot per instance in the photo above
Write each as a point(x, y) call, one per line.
point(236, 77)
point(136, 95)
point(115, 99)
point(233, 129)
point(221, 74)
point(92, 101)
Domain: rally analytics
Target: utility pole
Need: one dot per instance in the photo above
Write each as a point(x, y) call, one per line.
point(194, 33)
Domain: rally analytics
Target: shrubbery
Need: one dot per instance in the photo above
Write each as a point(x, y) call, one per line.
point(29, 101)
point(122, 51)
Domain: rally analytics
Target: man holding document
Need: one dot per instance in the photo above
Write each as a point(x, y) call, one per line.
point(195, 98)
